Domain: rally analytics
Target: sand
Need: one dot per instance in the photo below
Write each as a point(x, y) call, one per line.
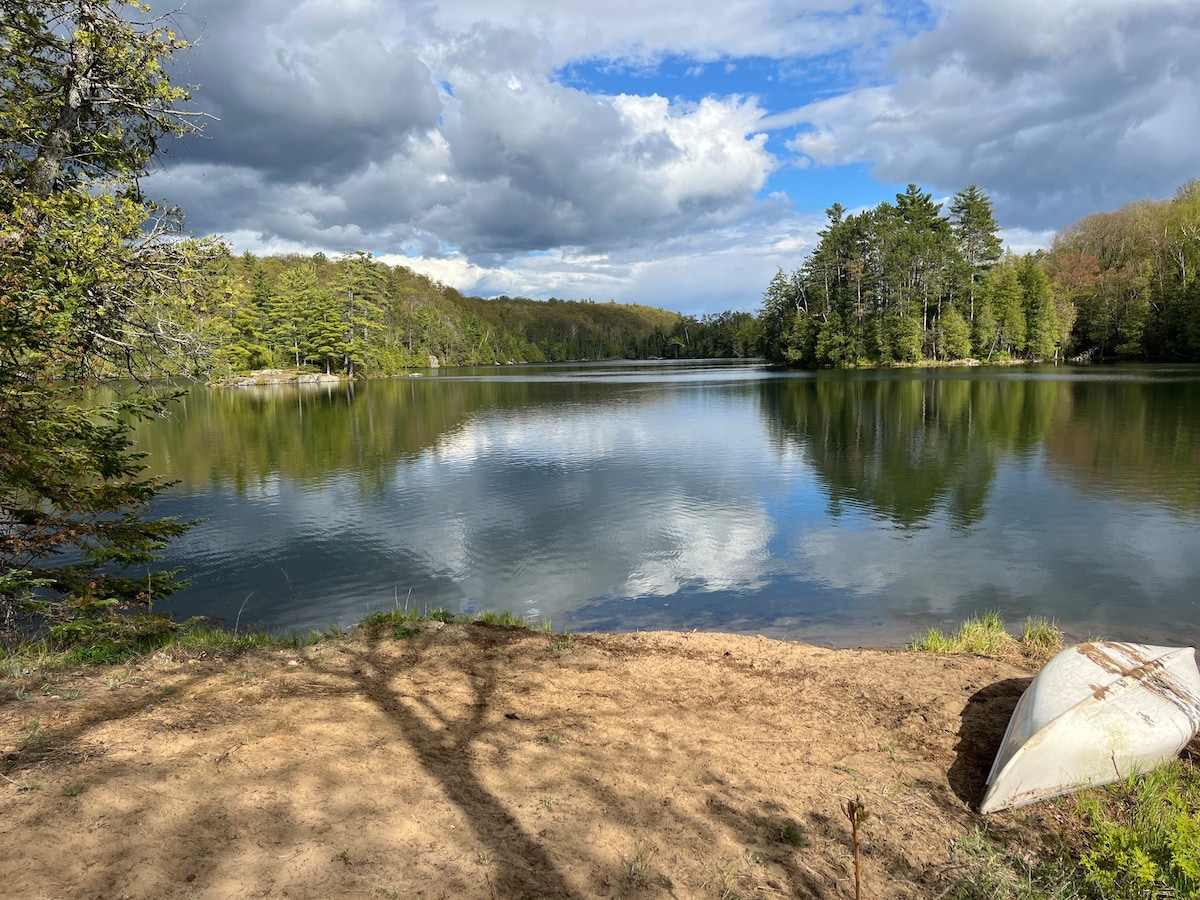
point(475, 761)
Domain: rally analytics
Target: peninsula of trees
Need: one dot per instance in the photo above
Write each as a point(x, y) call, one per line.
point(903, 283)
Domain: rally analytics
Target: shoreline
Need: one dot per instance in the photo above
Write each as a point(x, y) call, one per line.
point(479, 760)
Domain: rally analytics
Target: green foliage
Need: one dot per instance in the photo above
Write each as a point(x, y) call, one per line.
point(986, 635)
point(357, 316)
point(1145, 835)
point(884, 286)
point(1040, 638)
point(1126, 282)
point(790, 833)
point(84, 257)
point(983, 635)
point(889, 285)
point(112, 639)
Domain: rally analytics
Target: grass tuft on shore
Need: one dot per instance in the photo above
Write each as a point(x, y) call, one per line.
point(986, 635)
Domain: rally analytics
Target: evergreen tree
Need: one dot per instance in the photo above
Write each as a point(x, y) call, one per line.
point(1007, 307)
point(954, 335)
point(975, 230)
point(1042, 328)
point(84, 102)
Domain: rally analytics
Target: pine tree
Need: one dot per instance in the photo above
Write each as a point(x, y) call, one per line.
point(975, 229)
point(84, 261)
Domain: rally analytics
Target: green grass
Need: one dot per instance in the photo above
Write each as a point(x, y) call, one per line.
point(115, 639)
point(1145, 834)
point(1138, 839)
point(985, 635)
point(790, 833)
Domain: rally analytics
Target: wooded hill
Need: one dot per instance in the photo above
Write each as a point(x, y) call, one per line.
point(903, 283)
point(355, 315)
point(900, 283)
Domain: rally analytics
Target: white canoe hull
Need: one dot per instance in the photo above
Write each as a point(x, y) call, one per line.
point(1096, 713)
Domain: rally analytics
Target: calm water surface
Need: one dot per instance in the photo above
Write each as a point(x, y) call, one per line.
point(844, 508)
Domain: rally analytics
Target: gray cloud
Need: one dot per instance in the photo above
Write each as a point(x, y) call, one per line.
point(442, 134)
point(1057, 109)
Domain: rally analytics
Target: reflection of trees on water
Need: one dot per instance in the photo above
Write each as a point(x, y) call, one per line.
point(1133, 438)
point(307, 433)
point(905, 447)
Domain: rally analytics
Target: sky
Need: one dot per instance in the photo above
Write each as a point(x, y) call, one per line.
point(675, 153)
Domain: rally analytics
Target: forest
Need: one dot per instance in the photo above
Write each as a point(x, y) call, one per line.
point(355, 315)
point(903, 283)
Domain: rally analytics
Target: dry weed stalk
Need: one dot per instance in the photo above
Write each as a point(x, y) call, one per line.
point(856, 811)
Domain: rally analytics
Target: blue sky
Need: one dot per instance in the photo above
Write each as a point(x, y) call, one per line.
point(676, 153)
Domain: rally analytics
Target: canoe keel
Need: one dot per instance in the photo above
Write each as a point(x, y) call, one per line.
point(1096, 713)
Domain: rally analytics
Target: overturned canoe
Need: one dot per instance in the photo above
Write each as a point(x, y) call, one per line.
point(1096, 713)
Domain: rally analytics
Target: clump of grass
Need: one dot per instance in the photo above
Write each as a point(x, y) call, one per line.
point(1138, 838)
point(790, 833)
point(985, 635)
point(32, 735)
point(1040, 638)
point(724, 881)
point(489, 617)
point(639, 863)
point(560, 642)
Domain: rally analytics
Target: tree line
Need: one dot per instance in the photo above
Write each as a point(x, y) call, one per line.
point(355, 315)
point(905, 283)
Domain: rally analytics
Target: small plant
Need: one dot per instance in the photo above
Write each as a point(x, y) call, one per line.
point(558, 643)
point(485, 857)
point(548, 802)
point(404, 632)
point(74, 789)
point(723, 882)
point(790, 833)
point(550, 738)
point(981, 635)
point(488, 617)
point(343, 855)
point(1146, 835)
point(32, 735)
point(639, 863)
point(1041, 638)
point(26, 787)
point(71, 694)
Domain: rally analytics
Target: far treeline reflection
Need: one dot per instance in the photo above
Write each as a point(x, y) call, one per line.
point(904, 445)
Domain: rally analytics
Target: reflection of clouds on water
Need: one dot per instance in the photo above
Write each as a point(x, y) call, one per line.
point(649, 507)
point(556, 508)
point(1083, 564)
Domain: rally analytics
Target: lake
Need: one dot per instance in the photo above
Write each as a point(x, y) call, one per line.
point(844, 508)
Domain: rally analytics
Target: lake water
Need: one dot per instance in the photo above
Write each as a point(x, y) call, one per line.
point(846, 508)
